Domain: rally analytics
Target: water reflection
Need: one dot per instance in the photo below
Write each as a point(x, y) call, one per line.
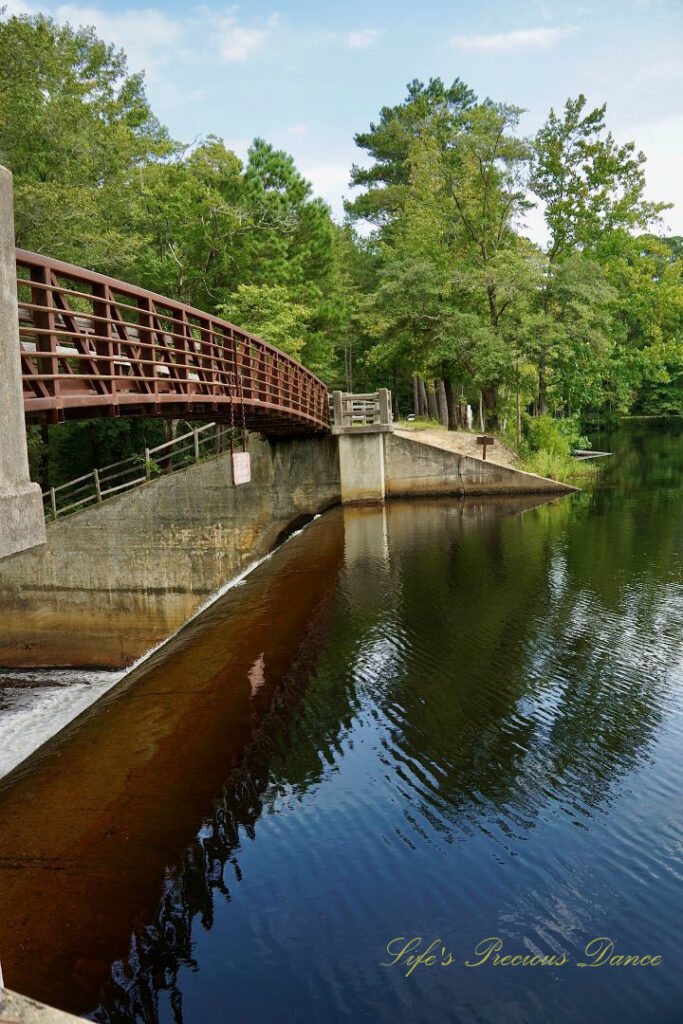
point(90, 824)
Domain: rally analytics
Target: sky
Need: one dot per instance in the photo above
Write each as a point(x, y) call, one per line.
point(307, 76)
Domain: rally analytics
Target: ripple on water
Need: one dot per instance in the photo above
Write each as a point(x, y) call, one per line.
point(481, 735)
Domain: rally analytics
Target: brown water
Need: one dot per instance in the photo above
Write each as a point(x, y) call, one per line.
point(435, 720)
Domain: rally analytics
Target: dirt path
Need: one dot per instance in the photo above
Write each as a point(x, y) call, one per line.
point(462, 442)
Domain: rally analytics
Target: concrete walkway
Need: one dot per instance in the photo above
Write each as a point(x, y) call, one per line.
point(16, 1009)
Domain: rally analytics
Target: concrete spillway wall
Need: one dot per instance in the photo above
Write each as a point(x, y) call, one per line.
point(376, 463)
point(117, 579)
point(413, 467)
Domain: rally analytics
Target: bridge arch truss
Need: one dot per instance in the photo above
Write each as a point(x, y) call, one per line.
point(94, 346)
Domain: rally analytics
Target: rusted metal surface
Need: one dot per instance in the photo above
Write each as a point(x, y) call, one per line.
point(93, 346)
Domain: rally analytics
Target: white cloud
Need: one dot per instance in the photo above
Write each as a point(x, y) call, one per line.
point(149, 37)
point(16, 7)
point(237, 43)
point(521, 39)
point(329, 181)
point(363, 38)
point(662, 143)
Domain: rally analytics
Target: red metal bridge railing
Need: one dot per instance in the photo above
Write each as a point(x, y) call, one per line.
point(94, 346)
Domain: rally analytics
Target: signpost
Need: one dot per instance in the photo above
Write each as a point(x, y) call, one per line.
point(241, 468)
point(485, 441)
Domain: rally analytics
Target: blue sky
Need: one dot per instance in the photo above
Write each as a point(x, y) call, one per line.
point(306, 75)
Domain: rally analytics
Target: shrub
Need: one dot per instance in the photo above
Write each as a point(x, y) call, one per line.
point(556, 437)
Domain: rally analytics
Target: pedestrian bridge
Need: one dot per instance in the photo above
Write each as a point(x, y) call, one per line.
point(94, 346)
point(78, 344)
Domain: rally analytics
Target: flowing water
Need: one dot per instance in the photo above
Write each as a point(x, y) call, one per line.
point(446, 723)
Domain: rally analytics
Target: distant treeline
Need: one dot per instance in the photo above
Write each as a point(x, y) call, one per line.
point(446, 285)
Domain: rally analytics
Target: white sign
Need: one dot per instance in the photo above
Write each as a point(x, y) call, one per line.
point(241, 468)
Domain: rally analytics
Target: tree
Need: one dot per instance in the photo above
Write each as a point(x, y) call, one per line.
point(73, 124)
point(435, 108)
point(190, 211)
point(268, 311)
point(454, 242)
point(589, 184)
point(593, 191)
point(569, 336)
point(98, 182)
point(647, 366)
point(290, 233)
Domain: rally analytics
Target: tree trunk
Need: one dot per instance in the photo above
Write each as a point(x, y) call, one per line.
point(431, 404)
point(94, 447)
point(416, 396)
point(542, 390)
point(424, 405)
point(170, 432)
point(44, 457)
point(493, 305)
point(489, 397)
point(451, 407)
point(442, 403)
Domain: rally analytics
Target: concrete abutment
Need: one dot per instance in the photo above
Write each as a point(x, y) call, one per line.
point(22, 523)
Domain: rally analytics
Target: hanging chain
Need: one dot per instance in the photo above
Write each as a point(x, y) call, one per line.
point(244, 422)
point(232, 384)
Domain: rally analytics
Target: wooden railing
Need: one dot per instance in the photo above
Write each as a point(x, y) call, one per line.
point(91, 345)
point(108, 481)
point(361, 410)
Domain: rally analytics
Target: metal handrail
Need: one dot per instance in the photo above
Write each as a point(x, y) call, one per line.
point(92, 345)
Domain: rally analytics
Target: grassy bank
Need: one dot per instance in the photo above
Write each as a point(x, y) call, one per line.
point(558, 466)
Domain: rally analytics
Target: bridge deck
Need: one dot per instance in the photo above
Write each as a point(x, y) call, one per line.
point(94, 346)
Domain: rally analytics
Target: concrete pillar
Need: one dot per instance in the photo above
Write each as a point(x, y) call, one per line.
point(22, 522)
point(384, 396)
point(361, 466)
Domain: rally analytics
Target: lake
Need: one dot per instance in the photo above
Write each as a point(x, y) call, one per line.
point(439, 727)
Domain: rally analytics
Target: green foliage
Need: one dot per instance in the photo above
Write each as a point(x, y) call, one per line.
point(73, 126)
point(447, 285)
point(151, 467)
point(34, 444)
point(557, 437)
point(418, 423)
point(590, 185)
point(389, 143)
point(268, 312)
point(451, 263)
point(546, 447)
point(593, 323)
point(559, 467)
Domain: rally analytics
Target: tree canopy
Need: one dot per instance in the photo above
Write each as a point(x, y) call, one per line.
point(443, 286)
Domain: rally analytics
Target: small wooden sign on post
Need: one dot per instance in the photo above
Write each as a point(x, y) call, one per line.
point(241, 468)
point(485, 441)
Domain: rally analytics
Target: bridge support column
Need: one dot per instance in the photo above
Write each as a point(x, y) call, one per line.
point(361, 466)
point(22, 521)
